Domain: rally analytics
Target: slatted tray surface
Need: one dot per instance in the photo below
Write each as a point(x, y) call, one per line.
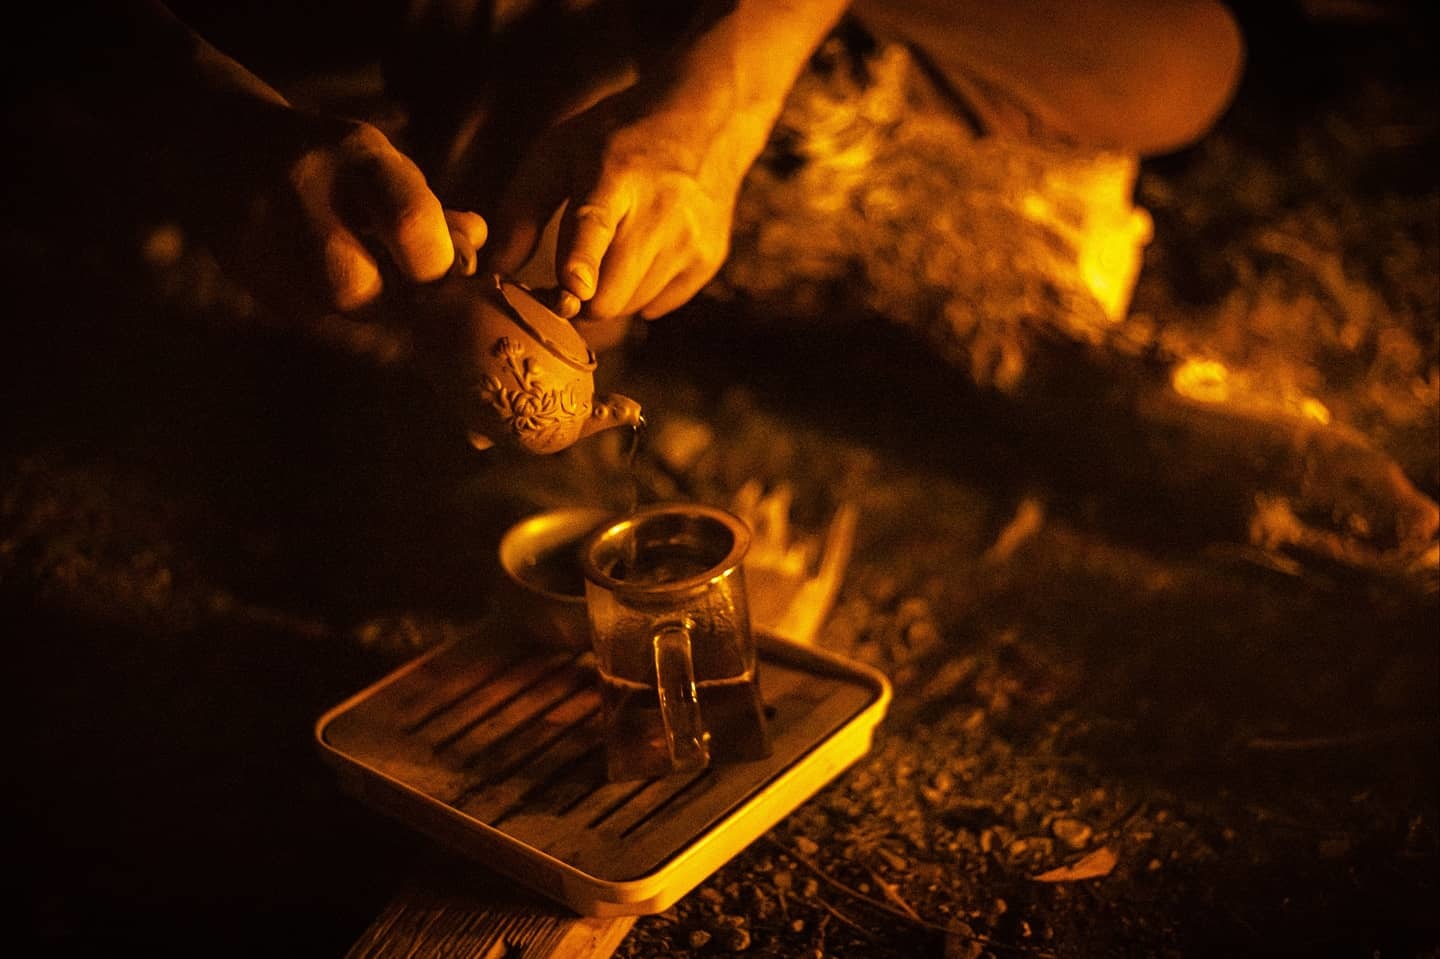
point(501, 753)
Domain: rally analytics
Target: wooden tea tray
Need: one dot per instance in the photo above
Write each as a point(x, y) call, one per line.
point(498, 754)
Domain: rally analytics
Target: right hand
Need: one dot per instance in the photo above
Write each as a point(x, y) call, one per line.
point(648, 183)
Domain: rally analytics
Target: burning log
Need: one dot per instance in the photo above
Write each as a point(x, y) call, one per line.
point(1015, 262)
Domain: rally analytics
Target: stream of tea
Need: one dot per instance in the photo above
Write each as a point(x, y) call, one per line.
point(733, 710)
point(559, 569)
point(632, 475)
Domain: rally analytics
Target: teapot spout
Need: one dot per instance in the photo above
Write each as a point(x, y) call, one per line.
point(605, 412)
point(612, 410)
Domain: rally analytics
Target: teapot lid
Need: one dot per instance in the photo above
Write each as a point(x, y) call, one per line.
point(545, 325)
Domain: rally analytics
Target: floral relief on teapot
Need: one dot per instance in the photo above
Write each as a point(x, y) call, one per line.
point(531, 410)
point(532, 380)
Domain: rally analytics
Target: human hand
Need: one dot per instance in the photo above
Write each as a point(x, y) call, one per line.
point(319, 218)
point(308, 212)
point(649, 190)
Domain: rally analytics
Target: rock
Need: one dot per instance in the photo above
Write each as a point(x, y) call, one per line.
point(734, 939)
point(1072, 832)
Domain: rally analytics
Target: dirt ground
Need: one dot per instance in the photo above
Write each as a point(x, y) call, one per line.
point(1115, 732)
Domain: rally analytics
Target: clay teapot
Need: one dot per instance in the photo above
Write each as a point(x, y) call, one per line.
point(522, 375)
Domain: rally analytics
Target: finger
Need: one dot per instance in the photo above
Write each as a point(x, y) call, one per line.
point(352, 276)
point(627, 264)
point(568, 305)
point(387, 197)
point(664, 268)
point(677, 293)
point(556, 300)
point(468, 232)
point(471, 226)
point(586, 233)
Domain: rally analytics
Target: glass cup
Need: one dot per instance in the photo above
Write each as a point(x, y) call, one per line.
point(542, 599)
point(670, 625)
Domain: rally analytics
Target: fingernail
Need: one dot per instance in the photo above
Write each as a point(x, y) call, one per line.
point(567, 304)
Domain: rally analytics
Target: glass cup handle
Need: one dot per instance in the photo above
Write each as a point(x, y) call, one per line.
point(679, 704)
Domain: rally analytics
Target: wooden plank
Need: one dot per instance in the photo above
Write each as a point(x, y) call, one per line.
point(455, 910)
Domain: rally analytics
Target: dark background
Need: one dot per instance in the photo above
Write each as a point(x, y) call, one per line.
point(213, 533)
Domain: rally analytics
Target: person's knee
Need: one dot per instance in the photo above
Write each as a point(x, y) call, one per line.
point(1192, 72)
point(1150, 76)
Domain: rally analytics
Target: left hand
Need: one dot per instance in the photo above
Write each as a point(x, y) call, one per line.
point(317, 205)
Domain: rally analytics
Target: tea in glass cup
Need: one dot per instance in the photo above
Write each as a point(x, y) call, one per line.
point(670, 625)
